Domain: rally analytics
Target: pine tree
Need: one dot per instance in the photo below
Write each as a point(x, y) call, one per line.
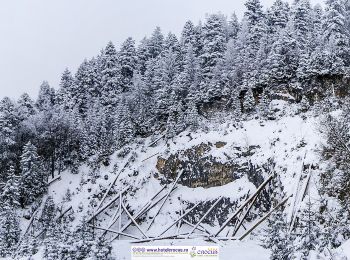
point(256, 23)
point(317, 20)
point(80, 93)
point(190, 75)
point(101, 249)
point(279, 240)
point(124, 129)
point(142, 110)
point(48, 214)
point(278, 16)
point(142, 55)
point(236, 106)
point(46, 98)
point(309, 231)
point(25, 107)
point(155, 43)
point(111, 77)
point(214, 44)
point(83, 240)
point(167, 69)
point(28, 246)
point(188, 35)
point(9, 231)
point(283, 60)
point(233, 27)
point(301, 20)
point(334, 30)
point(263, 106)
point(32, 182)
point(66, 90)
point(255, 30)
point(10, 196)
point(192, 116)
point(171, 125)
point(248, 101)
point(8, 128)
point(128, 62)
point(52, 242)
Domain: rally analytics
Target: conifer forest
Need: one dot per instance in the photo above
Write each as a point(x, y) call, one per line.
point(235, 133)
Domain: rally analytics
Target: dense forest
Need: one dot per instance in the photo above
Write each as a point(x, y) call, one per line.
point(165, 84)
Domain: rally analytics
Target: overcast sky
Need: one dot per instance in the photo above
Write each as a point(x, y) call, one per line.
point(40, 38)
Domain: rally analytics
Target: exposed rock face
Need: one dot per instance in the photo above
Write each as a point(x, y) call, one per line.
point(201, 169)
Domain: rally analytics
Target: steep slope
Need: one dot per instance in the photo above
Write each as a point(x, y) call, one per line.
point(236, 158)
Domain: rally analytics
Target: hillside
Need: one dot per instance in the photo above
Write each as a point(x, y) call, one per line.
point(235, 133)
point(252, 150)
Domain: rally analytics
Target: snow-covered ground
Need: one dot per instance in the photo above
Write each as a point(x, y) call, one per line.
point(292, 141)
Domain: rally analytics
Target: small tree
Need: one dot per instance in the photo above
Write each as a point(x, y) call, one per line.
point(101, 249)
point(279, 240)
point(192, 115)
point(32, 183)
point(248, 101)
point(309, 231)
point(9, 231)
point(10, 195)
point(48, 213)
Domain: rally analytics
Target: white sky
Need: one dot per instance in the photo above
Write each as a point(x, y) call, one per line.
point(40, 38)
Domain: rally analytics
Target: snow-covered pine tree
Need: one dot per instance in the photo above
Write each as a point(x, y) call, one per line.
point(283, 60)
point(10, 195)
point(171, 43)
point(52, 242)
point(66, 90)
point(334, 30)
point(236, 106)
point(46, 98)
point(32, 178)
point(142, 55)
point(25, 107)
point(128, 62)
point(123, 125)
point(80, 93)
point(101, 249)
point(156, 43)
point(167, 69)
point(9, 231)
point(278, 15)
point(83, 240)
point(8, 126)
point(28, 246)
point(188, 35)
point(111, 77)
point(255, 30)
point(248, 101)
point(278, 239)
point(142, 110)
point(192, 116)
point(308, 230)
point(317, 19)
point(233, 26)
point(264, 105)
point(48, 214)
point(190, 75)
point(214, 44)
point(171, 129)
point(302, 24)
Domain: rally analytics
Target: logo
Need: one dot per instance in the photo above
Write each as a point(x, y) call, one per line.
point(193, 252)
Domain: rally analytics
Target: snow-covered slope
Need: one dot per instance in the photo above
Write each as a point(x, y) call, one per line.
point(292, 142)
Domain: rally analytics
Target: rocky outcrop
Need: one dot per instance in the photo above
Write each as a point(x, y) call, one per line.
point(201, 169)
